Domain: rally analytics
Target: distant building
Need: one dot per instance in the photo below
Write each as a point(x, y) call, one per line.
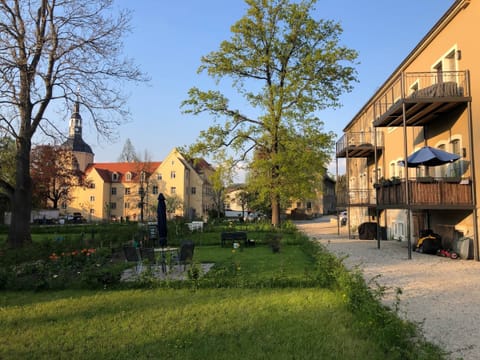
point(128, 190)
point(322, 204)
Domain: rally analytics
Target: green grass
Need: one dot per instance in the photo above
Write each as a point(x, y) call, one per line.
point(181, 324)
point(257, 262)
point(300, 303)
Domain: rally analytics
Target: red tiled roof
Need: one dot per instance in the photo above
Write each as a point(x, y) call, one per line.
point(105, 170)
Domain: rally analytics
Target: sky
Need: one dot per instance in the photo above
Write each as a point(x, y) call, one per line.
point(169, 38)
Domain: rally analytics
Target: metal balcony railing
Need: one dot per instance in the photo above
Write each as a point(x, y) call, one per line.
point(359, 143)
point(416, 85)
point(357, 197)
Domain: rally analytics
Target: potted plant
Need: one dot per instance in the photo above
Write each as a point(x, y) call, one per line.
point(395, 180)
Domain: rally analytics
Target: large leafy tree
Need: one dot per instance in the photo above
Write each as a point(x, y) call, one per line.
point(286, 65)
point(65, 50)
point(54, 174)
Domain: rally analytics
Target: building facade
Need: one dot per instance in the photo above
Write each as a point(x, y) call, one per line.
point(429, 100)
point(129, 190)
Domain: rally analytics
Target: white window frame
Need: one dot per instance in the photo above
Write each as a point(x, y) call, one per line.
point(398, 230)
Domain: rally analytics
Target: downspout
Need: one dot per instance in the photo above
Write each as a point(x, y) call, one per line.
point(347, 166)
point(336, 197)
point(376, 182)
point(472, 167)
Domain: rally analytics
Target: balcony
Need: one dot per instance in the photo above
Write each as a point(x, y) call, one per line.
point(356, 197)
point(426, 96)
point(426, 193)
point(358, 144)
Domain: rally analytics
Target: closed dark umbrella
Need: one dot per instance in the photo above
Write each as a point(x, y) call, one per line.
point(162, 221)
point(429, 156)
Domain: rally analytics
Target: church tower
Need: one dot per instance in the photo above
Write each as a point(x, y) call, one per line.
point(80, 149)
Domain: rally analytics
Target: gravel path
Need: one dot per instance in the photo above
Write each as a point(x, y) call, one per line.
point(440, 294)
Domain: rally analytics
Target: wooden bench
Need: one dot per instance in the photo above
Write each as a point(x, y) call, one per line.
point(234, 236)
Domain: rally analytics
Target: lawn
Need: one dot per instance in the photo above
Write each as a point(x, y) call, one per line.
point(181, 324)
point(299, 303)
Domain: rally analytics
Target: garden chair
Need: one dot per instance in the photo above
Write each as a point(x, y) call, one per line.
point(148, 254)
point(132, 254)
point(185, 255)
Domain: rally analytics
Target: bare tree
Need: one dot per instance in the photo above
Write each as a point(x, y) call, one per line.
point(129, 154)
point(49, 50)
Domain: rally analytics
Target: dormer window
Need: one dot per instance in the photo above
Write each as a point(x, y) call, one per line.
point(128, 176)
point(115, 176)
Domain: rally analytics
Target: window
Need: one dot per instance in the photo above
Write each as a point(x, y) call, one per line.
point(456, 168)
point(92, 185)
point(392, 169)
point(113, 205)
point(154, 189)
point(194, 190)
point(441, 171)
point(414, 87)
point(398, 231)
point(446, 67)
point(114, 176)
point(64, 205)
point(400, 168)
point(159, 176)
point(173, 190)
point(92, 198)
point(127, 205)
point(143, 176)
point(128, 176)
point(309, 205)
point(114, 191)
point(172, 175)
point(92, 211)
point(127, 191)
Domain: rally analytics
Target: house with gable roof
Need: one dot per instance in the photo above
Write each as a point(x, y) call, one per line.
point(129, 190)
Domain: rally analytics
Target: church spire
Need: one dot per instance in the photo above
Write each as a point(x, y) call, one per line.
point(75, 128)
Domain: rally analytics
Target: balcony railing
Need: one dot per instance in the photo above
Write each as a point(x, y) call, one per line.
point(359, 144)
point(357, 197)
point(427, 192)
point(433, 92)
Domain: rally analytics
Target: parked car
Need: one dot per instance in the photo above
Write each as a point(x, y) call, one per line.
point(75, 218)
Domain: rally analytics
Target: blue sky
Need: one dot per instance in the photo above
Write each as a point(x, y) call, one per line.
point(169, 38)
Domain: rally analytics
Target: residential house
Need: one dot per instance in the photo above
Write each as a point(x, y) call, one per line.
point(431, 99)
point(322, 204)
point(129, 190)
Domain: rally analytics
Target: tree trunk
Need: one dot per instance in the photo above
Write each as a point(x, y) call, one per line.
point(19, 231)
point(275, 211)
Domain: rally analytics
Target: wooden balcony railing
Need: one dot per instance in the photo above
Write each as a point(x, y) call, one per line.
point(428, 192)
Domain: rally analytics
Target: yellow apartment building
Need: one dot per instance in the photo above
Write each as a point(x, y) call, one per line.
point(129, 190)
point(431, 99)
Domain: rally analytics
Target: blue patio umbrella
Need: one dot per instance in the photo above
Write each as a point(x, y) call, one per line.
point(429, 156)
point(162, 220)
